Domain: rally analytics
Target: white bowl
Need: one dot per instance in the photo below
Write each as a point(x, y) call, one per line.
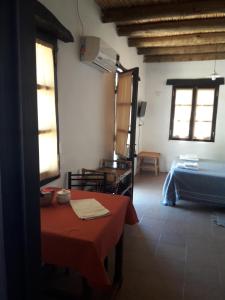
point(63, 196)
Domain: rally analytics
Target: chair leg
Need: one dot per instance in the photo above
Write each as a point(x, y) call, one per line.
point(140, 165)
point(155, 166)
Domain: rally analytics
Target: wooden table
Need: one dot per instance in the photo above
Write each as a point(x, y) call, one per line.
point(148, 161)
point(83, 245)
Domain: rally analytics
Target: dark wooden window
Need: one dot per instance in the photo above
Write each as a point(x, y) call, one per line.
point(47, 110)
point(193, 113)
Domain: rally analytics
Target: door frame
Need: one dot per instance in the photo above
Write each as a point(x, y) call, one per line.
point(19, 162)
point(134, 97)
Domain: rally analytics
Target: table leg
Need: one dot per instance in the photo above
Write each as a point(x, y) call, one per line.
point(87, 290)
point(118, 273)
point(106, 263)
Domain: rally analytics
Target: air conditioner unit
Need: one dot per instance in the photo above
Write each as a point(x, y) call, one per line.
point(95, 52)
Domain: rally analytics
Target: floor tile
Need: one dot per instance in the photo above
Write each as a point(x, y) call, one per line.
point(202, 292)
point(171, 251)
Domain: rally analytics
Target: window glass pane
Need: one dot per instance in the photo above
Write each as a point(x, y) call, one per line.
point(182, 113)
point(46, 110)
point(183, 97)
point(204, 113)
point(205, 96)
point(47, 123)
point(48, 152)
point(181, 129)
point(202, 130)
point(44, 65)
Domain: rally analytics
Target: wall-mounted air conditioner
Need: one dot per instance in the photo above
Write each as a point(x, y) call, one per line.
point(95, 52)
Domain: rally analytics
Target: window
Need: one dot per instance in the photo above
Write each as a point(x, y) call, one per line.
point(193, 113)
point(47, 112)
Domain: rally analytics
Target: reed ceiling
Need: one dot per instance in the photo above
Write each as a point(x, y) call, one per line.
point(169, 30)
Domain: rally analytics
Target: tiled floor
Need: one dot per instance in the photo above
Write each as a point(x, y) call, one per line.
point(174, 253)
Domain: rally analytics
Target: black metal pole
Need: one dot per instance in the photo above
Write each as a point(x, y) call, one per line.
point(132, 153)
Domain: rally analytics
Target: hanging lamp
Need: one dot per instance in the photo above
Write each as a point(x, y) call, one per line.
point(214, 75)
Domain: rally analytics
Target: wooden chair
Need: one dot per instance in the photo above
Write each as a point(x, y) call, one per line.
point(118, 175)
point(87, 181)
point(115, 164)
point(108, 176)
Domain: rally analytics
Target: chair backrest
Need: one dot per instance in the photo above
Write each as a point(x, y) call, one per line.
point(91, 181)
point(115, 164)
point(110, 179)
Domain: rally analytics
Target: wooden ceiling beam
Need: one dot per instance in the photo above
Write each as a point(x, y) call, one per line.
point(186, 10)
point(182, 50)
point(183, 57)
point(172, 28)
point(180, 40)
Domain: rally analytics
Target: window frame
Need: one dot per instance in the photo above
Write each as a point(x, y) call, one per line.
point(194, 88)
point(46, 39)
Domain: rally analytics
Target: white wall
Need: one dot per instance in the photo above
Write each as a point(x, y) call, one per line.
point(85, 95)
point(156, 122)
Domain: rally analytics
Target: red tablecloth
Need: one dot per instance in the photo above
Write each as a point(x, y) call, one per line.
point(83, 244)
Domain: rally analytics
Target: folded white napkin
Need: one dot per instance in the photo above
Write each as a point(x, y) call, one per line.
point(188, 165)
point(193, 157)
point(89, 208)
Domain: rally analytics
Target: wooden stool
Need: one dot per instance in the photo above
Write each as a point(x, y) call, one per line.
point(148, 161)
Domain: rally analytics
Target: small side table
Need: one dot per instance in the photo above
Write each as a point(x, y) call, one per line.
point(148, 161)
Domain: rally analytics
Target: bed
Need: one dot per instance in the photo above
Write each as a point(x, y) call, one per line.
point(203, 184)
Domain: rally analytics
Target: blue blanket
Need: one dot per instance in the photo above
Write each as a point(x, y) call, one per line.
point(205, 184)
